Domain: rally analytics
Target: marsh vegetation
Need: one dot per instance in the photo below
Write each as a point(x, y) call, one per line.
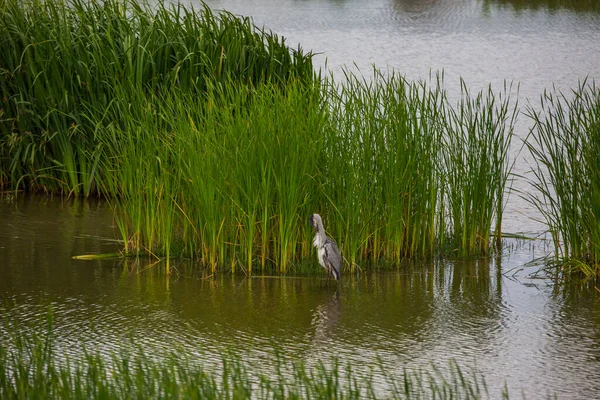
point(565, 143)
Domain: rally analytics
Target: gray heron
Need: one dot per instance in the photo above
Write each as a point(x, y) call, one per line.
point(327, 250)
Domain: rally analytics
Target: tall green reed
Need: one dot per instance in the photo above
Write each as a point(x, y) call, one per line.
point(209, 158)
point(565, 144)
point(413, 175)
point(479, 133)
point(60, 59)
point(381, 176)
point(390, 164)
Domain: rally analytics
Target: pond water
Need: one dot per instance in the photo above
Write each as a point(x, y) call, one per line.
point(490, 315)
point(483, 41)
point(487, 314)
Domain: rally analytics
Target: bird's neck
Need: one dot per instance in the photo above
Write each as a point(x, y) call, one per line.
point(319, 240)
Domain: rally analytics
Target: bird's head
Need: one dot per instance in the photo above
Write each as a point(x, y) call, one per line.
point(315, 221)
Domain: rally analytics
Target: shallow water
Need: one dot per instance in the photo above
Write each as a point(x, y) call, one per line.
point(487, 314)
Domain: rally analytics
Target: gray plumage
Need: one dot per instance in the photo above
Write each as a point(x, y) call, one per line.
point(327, 250)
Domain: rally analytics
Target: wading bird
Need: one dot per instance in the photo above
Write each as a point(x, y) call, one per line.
point(327, 250)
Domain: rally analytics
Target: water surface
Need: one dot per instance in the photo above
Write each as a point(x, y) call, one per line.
point(483, 41)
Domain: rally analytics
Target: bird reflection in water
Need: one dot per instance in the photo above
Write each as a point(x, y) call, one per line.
point(325, 319)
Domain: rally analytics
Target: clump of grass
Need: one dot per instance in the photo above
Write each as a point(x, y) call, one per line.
point(230, 176)
point(565, 144)
point(31, 367)
point(381, 176)
point(61, 60)
point(479, 132)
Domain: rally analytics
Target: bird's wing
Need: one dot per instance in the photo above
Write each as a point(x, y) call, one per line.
point(332, 256)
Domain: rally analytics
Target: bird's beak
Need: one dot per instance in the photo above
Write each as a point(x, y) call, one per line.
point(310, 221)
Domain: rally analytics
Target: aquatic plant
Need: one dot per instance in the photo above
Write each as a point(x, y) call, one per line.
point(63, 62)
point(234, 172)
point(479, 132)
point(565, 145)
point(230, 169)
point(382, 174)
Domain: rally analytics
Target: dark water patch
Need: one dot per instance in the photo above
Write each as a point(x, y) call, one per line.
point(581, 6)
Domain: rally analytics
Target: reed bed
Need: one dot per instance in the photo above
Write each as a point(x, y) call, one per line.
point(230, 177)
point(215, 141)
point(226, 176)
point(62, 62)
point(565, 144)
point(31, 367)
